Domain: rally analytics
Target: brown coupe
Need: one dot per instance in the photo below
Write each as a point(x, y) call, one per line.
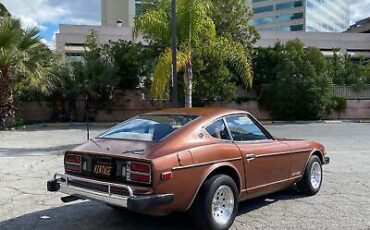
point(202, 160)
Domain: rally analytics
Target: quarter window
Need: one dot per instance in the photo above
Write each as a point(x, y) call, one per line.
point(218, 130)
point(242, 128)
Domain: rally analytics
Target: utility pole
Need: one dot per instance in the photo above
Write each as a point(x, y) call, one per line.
point(174, 60)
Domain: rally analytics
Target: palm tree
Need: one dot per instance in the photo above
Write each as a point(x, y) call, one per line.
point(3, 11)
point(196, 33)
point(23, 60)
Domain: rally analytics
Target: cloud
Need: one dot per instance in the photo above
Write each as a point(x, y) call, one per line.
point(40, 12)
point(51, 45)
point(48, 14)
point(360, 9)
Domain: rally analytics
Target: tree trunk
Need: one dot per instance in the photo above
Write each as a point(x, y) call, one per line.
point(188, 80)
point(7, 109)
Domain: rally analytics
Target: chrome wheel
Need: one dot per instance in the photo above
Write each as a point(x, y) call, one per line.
point(222, 205)
point(316, 172)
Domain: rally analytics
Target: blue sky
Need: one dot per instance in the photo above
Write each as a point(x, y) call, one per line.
point(48, 14)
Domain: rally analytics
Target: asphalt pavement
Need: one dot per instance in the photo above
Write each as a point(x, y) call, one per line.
point(29, 158)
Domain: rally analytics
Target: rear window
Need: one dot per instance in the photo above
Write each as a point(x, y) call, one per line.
point(148, 127)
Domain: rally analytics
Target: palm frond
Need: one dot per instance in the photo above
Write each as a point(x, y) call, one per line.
point(163, 72)
point(154, 25)
point(234, 54)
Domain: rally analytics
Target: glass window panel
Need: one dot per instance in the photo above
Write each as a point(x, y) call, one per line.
point(218, 130)
point(242, 128)
point(148, 127)
point(263, 9)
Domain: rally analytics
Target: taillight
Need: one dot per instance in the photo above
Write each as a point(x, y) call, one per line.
point(139, 172)
point(72, 163)
point(139, 167)
point(139, 178)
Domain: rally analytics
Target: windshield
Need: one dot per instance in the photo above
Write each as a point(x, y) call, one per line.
point(148, 127)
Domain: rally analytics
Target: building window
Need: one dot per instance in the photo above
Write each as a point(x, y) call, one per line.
point(138, 8)
point(263, 9)
point(259, 21)
point(74, 57)
point(288, 17)
point(288, 5)
point(310, 5)
point(290, 28)
point(310, 29)
point(296, 28)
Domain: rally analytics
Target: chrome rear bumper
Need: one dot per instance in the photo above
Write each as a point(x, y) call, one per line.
point(63, 183)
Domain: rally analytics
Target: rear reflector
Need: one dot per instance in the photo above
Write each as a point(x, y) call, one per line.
point(143, 178)
point(140, 167)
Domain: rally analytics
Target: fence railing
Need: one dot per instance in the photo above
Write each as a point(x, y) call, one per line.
point(352, 92)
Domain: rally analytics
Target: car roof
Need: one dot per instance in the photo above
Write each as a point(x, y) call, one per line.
point(199, 111)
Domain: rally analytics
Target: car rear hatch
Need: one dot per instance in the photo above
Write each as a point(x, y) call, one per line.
point(114, 161)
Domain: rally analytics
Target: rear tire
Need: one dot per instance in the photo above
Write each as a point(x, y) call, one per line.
point(312, 178)
point(216, 205)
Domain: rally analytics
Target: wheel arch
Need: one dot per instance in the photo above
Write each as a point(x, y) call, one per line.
point(318, 153)
point(226, 169)
point(315, 152)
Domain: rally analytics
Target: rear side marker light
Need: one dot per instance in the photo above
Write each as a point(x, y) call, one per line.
point(166, 176)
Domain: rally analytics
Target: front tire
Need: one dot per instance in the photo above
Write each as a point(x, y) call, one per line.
point(216, 205)
point(312, 178)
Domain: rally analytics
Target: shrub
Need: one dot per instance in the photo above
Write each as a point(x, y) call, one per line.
point(339, 104)
point(299, 88)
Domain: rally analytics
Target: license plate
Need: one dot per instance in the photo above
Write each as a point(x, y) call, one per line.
point(103, 168)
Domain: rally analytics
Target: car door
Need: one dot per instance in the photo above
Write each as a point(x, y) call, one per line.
point(267, 161)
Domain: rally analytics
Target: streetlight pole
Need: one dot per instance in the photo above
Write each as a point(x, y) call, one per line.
point(174, 60)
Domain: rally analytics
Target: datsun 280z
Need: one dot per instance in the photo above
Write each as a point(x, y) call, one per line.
point(201, 160)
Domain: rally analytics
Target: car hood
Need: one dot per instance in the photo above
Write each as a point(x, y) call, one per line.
point(118, 148)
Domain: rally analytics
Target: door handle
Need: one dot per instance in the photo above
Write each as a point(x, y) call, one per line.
point(250, 156)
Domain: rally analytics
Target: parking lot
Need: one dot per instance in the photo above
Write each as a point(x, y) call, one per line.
point(29, 158)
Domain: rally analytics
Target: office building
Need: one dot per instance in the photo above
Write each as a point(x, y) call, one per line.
point(361, 26)
point(122, 12)
point(301, 15)
point(70, 39)
point(355, 44)
point(273, 17)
